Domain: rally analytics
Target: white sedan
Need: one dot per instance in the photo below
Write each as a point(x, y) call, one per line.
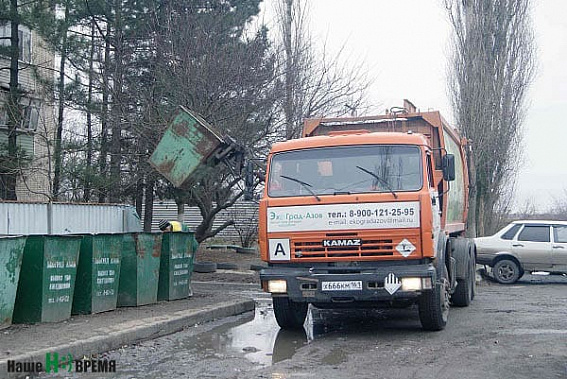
point(526, 245)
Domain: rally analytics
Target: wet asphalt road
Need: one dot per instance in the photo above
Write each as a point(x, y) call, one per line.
point(517, 331)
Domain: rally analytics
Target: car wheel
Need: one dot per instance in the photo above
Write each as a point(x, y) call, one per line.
point(506, 271)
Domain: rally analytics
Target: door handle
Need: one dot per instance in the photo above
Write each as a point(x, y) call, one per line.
point(517, 245)
point(558, 247)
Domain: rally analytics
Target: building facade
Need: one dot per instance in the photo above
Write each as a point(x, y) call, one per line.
point(37, 129)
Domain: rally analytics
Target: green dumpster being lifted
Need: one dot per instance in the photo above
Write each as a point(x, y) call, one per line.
point(98, 274)
point(47, 279)
point(11, 252)
point(139, 272)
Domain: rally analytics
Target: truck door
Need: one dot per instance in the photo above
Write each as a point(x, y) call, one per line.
point(559, 248)
point(533, 247)
point(435, 200)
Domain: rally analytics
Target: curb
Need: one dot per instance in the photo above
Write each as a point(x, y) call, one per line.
point(134, 331)
point(227, 286)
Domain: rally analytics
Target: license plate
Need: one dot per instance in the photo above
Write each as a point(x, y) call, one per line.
point(355, 285)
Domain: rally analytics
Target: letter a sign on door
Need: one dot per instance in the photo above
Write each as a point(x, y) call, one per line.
point(279, 249)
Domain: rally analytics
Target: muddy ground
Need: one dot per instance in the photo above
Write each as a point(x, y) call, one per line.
point(246, 272)
point(517, 331)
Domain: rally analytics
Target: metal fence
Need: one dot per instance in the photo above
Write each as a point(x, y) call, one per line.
point(65, 218)
point(243, 213)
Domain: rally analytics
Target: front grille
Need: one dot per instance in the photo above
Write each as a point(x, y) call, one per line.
point(369, 248)
point(374, 245)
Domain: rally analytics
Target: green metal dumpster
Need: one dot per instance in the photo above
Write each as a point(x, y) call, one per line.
point(11, 252)
point(177, 253)
point(139, 271)
point(98, 273)
point(47, 279)
point(186, 144)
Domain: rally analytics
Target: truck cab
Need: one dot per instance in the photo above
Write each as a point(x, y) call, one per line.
point(360, 216)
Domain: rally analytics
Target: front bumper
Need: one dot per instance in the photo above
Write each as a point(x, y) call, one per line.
point(304, 282)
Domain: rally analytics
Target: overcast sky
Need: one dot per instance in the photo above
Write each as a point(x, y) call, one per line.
point(405, 45)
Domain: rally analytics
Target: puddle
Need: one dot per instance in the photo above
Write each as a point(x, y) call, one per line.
point(257, 337)
point(263, 342)
point(260, 340)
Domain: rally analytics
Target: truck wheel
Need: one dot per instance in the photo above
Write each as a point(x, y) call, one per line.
point(464, 292)
point(473, 273)
point(289, 314)
point(434, 305)
point(506, 271)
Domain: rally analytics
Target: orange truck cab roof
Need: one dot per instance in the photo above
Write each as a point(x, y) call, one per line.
point(359, 138)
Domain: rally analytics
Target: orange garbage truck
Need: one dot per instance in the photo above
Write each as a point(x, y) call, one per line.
point(368, 212)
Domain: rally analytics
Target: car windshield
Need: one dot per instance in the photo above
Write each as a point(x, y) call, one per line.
point(345, 170)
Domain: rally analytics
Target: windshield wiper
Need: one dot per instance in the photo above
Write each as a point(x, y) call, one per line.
point(304, 184)
point(385, 183)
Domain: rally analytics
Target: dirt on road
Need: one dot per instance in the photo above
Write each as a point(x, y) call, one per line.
point(231, 265)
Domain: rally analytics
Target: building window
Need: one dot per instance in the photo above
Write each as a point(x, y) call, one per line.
point(30, 115)
point(25, 37)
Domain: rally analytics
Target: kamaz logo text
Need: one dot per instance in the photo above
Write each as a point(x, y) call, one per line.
point(341, 243)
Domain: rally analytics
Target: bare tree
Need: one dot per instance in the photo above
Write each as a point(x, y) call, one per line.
point(527, 210)
point(213, 64)
point(246, 225)
point(492, 66)
point(559, 208)
point(315, 83)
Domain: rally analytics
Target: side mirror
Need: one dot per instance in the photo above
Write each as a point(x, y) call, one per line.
point(449, 167)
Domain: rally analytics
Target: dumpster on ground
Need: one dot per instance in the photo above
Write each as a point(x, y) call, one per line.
point(139, 271)
point(47, 279)
point(177, 253)
point(98, 273)
point(11, 252)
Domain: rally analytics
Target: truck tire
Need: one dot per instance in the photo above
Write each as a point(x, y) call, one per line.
point(464, 293)
point(204, 267)
point(473, 255)
point(506, 271)
point(290, 315)
point(434, 305)
point(227, 266)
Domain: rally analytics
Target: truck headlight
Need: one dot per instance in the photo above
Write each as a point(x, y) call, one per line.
point(411, 284)
point(277, 286)
point(416, 284)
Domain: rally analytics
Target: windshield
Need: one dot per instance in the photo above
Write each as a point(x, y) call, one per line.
point(345, 170)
